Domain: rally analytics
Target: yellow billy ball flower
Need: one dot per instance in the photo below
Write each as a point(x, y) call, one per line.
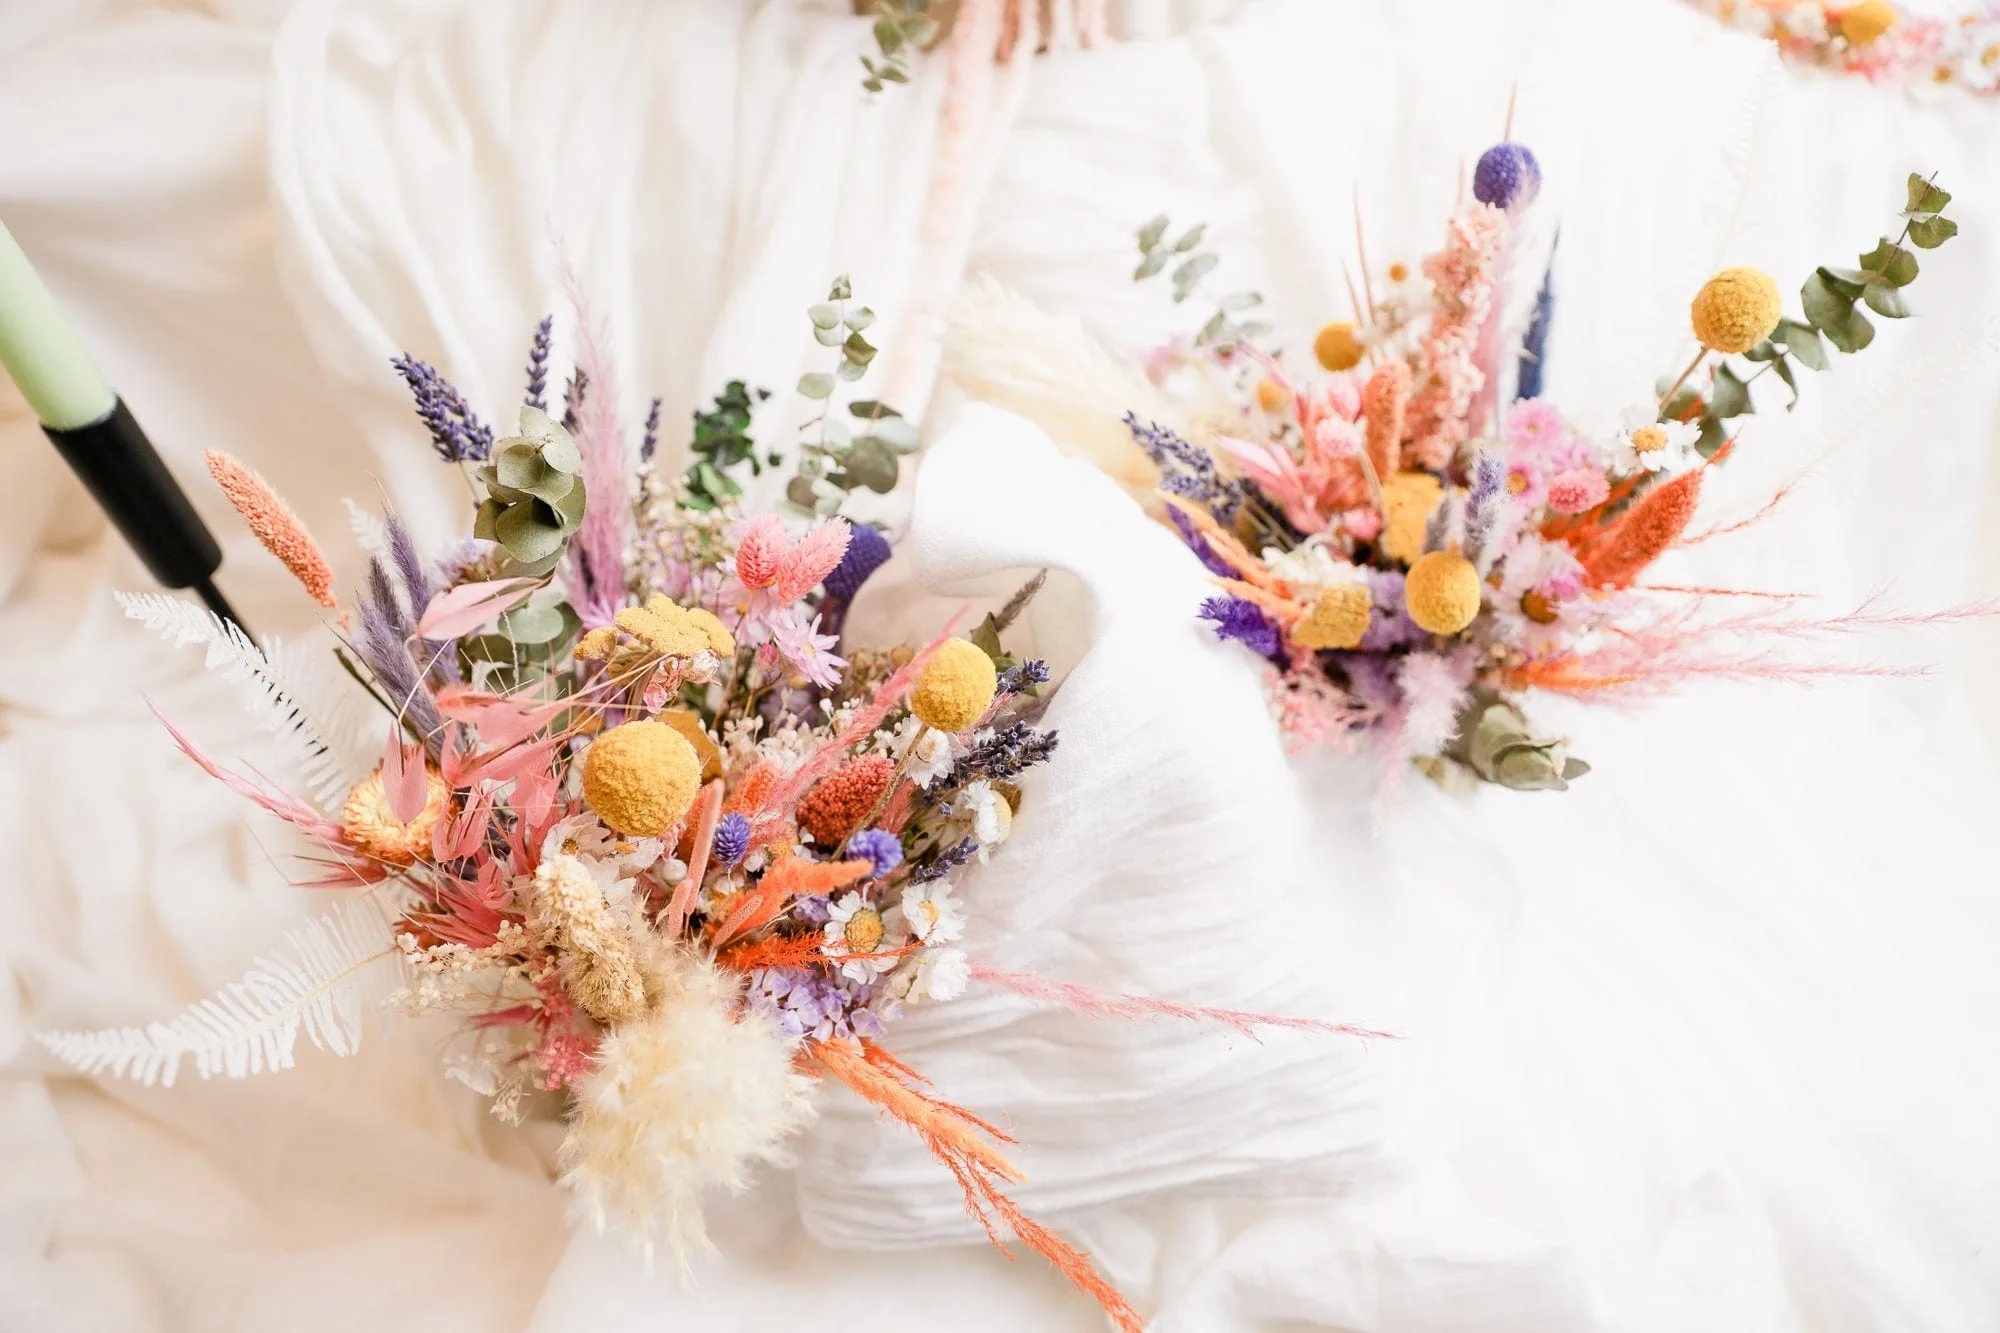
point(1442, 592)
point(1338, 619)
point(954, 687)
point(1736, 309)
point(1336, 346)
point(1863, 23)
point(1271, 395)
point(1408, 498)
point(641, 778)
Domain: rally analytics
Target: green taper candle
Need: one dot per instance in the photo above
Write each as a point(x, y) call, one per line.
point(42, 352)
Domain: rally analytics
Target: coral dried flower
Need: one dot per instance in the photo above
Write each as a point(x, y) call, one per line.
point(833, 810)
point(1383, 401)
point(273, 523)
point(811, 559)
point(371, 827)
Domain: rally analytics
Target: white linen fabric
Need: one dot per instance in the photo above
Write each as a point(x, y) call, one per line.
point(1700, 1044)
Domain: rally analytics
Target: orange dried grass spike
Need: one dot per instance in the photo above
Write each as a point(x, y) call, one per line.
point(777, 951)
point(1224, 543)
point(274, 524)
point(1384, 402)
point(1565, 675)
point(1622, 552)
point(947, 1130)
point(754, 790)
point(789, 877)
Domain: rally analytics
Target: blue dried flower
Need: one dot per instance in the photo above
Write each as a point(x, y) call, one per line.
point(732, 839)
point(867, 551)
point(1246, 623)
point(879, 846)
point(1507, 176)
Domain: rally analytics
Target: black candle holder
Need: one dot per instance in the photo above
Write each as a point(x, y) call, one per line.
point(120, 468)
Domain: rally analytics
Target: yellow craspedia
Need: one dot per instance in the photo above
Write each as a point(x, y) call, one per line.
point(1442, 592)
point(1736, 309)
point(1272, 396)
point(955, 686)
point(1863, 23)
point(1408, 498)
point(641, 778)
point(1336, 346)
point(1338, 619)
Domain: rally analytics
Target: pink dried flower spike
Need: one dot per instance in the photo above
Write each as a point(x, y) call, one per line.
point(812, 559)
point(757, 555)
point(273, 523)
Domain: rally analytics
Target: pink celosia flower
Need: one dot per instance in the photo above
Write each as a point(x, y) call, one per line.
point(757, 555)
point(1461, 277)
point(809, 560)
point(1578, 489)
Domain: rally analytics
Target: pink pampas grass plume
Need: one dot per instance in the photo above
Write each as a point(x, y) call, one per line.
point(596, 561)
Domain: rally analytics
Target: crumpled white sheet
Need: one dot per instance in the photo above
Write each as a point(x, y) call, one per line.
point(1700, 1044)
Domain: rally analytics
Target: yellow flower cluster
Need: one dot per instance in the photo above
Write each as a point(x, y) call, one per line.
point(1408, 498)
point(666, 628)
point(1337, 348)
point(1442, 592)
point(1338, 619)
point(1735, 310)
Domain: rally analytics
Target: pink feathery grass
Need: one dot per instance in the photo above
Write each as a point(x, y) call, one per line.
point(284, 805)
point(1449, 378)
point(595, 568)
point(1096, 1004)
point(274, 524)
point(810, 559)
point(1770, 507)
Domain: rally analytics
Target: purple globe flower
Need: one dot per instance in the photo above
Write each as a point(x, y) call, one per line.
point(867, 551)
point(878, 845)
point(732, 839)
point(1507, 176)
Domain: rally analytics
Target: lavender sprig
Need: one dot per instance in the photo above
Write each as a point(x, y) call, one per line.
point(1186, 470)
point(1246, 623)
point(457, 433)
point(1006, 754)
point(1022, 677)
point(945, 862)
point(538, 365)
point(651, 440)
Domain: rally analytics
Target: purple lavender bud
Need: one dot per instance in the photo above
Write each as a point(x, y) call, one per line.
point(732, 839)
point(1203, 552)
point(1022, 676)
point(1245, 622)
point(867, 551)
point(457, 434)
point(878, 845)
point(538, 365)
point(1507, 176)
point(651, 440)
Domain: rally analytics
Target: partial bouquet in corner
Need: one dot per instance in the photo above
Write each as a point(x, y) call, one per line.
point(604, 780)
point(1876, 40)
point(1417, 542)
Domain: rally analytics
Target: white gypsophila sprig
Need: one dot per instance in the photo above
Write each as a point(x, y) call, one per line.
point(316, 717)
point(253, 1025)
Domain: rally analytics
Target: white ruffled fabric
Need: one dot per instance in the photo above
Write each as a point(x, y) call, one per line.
point(1703, 1043)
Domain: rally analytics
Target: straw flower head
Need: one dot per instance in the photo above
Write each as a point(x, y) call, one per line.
point(371, 828)
point(1409, 498)
point(1862, 24)
point(955, 687)
point(1736, 309)
point(1339, 619)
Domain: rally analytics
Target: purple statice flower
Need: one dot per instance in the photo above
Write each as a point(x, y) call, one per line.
point(650, 441)
point(945, 862)
point(1487, 502)
point(732, 838)
point(1390, 626)
point(1187, 470)
point(457, 434)
point(806, 1002)
point(1197, 543)
point(878, 846)
point(1246, 623)
point(1023, 676)
point(538, 365)
point(1005, 754)
point(867, 551)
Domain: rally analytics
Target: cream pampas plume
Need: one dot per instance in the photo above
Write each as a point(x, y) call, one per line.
point(1005, 350)
point(682, 1101)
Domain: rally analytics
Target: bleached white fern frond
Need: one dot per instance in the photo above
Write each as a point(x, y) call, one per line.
point(252, 1025)
point(371, 534)
point(316, 715)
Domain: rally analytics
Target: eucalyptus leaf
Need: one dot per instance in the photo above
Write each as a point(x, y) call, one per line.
point(1213, 329)
point(1190, 238)
point(896, 433)
point(824, 316)
point(816, 384)
point(872, 465)
point(857, 320)
point(1154, 261)
point(1886, 302)
point(528, 536)
point(562, 454)
point(889, 34)
point(539, 428)
point(1784, 369)
point(836, 432)
point(1194, 270)
point(1153, 232)
point(569, 509)
point(1712, 436)
point(1925, 197)
point(532, 624)
point(1897, 266)
point(872, 410)
point(1729, 397)
point(850, 370)
point(842, 289)
point(1802, 341)
point(518, 464)
point(1930, 233)
point(858, 349)
point(832, 337)
point(482, 522)
point(799, 490)
point(920, 29)
point(1254, 328)
point(1236, 301)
